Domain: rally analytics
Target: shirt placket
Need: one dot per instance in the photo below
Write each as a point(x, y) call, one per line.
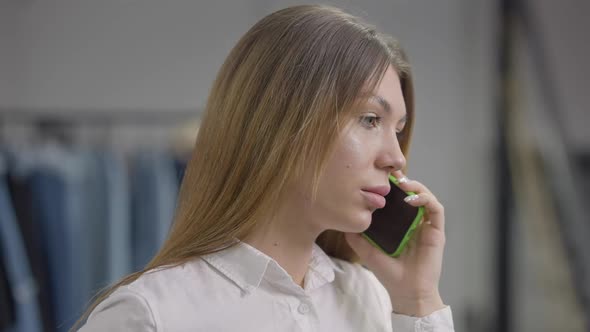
point(304, 313)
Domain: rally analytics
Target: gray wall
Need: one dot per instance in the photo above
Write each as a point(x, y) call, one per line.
point(563, 26)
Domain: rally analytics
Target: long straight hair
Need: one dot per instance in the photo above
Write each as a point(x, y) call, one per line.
point(274, 111)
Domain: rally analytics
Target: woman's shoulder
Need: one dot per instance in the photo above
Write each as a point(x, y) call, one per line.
point(166, 277)
point(191, 279)
point(123, 310)
point(158, 293)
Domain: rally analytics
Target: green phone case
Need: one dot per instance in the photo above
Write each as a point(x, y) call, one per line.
point(409, 232)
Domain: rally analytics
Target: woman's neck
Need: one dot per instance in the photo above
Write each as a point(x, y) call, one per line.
point(289, 242)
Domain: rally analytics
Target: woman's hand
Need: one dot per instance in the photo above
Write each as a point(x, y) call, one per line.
point(411, 279)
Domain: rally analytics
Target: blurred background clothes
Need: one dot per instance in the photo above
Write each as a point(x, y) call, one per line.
point(74, 220)
point(154, 199)
point(24, 314)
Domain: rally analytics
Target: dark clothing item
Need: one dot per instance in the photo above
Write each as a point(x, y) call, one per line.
point(20, 192)
point(18, 271)
point(7, 314)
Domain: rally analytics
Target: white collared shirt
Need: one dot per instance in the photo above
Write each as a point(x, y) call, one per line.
point(242, 289)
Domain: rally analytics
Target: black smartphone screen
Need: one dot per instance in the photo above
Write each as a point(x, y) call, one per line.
point(390, 224)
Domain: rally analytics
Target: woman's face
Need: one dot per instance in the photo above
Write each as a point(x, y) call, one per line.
point(366, 152)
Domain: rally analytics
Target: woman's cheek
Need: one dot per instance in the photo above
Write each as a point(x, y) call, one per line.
point(353, 153)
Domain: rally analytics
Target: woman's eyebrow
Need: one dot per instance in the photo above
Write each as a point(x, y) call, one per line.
point(381, 101)
point(387, 106)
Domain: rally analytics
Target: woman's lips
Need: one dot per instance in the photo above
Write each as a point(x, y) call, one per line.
point(374, 199)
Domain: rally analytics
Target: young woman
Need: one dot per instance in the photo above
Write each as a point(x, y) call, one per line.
point(308, 116)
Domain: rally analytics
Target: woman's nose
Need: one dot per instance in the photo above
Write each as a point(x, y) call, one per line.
point(392, 157)
point(398, 162)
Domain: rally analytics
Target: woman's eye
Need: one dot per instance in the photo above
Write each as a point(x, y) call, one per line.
point(370, 121)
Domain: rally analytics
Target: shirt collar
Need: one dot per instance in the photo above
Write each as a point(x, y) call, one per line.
point(246, 266)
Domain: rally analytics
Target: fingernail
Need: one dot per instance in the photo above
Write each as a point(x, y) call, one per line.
point(411, 198)
point(403, 179)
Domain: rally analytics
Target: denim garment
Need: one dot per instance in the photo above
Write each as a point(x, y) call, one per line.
point(155, 188)
point(59, 202)
point(20, 192)
point(118, 210)
point(22, 282)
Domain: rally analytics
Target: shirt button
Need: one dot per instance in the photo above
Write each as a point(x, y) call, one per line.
point(303, 308)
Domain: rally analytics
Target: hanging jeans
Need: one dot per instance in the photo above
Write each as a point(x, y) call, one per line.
point(117, 249)
point(16, 262)
point(155, 188)
point(62, 190)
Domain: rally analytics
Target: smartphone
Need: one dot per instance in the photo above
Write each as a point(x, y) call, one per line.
point(392, 226)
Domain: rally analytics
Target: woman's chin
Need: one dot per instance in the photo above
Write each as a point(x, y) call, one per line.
point(359, 223)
